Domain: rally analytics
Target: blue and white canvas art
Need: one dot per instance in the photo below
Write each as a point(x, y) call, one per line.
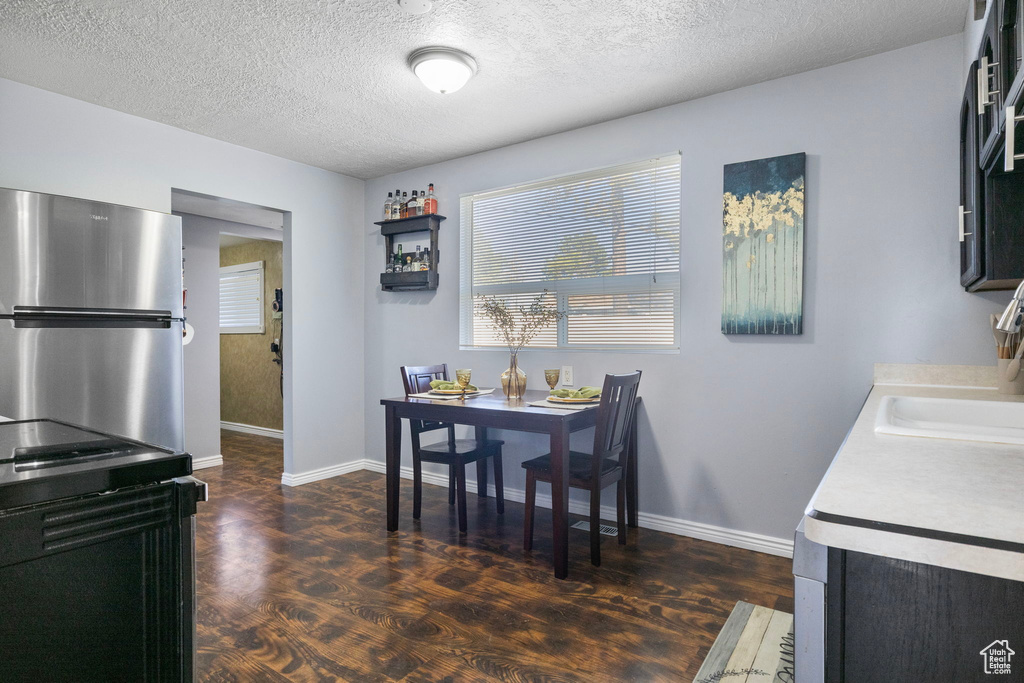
point(763, 246)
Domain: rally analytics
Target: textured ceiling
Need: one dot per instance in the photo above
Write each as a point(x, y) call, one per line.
point(325, 82)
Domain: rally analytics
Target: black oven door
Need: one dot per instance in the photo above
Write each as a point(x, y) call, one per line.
point(100, 587)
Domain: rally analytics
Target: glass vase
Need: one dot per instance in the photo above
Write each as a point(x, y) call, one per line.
point(513, 380)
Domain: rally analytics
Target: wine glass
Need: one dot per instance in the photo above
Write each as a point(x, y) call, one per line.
point(551, 377)
point(462, 379)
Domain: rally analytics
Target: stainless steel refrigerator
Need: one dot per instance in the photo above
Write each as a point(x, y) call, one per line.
point(91, 316)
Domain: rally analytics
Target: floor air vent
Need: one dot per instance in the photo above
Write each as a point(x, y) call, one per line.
point(605, 529)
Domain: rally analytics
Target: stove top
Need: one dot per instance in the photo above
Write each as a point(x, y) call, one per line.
point(42, 460)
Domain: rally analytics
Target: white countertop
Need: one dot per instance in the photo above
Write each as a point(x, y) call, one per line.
point(954, 504)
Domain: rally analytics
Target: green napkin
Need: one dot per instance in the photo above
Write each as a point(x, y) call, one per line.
point(445, 385)
point(582, 392)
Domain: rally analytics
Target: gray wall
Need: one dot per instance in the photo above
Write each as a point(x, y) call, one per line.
point(51, 143)
point(737, 431)
point(202, 354)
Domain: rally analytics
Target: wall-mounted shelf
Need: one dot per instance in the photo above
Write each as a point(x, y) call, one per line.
point(416, 280)
point(397, 226)
point(399, 282)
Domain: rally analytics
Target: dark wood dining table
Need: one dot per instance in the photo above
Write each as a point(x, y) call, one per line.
point(495, 411)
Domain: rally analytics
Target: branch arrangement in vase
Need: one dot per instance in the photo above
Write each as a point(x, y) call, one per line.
point(531, 320)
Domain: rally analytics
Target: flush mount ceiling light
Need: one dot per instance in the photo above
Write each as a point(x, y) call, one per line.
point(442, 69)
point(415, 6)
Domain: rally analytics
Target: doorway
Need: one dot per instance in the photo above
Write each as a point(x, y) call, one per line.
point(233, 377)
point(251, 335)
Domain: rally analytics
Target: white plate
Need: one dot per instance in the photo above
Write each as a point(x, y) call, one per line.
point(449, 392)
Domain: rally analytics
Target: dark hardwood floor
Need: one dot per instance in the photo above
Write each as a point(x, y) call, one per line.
point(304, 584)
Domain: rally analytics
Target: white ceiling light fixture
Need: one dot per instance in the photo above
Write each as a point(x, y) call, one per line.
point(442, 69)
point(415, 6)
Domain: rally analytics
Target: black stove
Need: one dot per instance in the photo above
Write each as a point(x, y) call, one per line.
point(97, 562)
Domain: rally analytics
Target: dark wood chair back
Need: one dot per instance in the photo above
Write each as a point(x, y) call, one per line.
point(614, 417)
point(416, 379)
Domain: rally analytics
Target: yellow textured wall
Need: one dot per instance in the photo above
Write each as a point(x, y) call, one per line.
point(249, 381)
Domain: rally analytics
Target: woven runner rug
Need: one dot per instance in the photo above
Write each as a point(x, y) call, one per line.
point(754, 646)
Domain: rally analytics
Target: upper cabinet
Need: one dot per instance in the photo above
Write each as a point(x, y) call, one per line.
point(990, 91)
point(971, 184)
point(1011, 51)
point(991, 213)
point(1011, 38)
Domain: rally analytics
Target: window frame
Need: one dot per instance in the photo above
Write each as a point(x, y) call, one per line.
point(257, 266)
point(639, 283)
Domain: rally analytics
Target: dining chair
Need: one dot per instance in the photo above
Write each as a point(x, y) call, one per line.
point(594, 471)
point(456, 453)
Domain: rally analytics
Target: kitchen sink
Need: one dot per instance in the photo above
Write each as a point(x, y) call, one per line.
point(948, 418)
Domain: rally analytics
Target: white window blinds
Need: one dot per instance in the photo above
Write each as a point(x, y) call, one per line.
point(603, 244)
point(241, 299)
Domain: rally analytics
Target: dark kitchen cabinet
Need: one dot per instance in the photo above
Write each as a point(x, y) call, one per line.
point(1003, 234)
point(1011, 50)
point(894, 620)
point(990, 90)
point(991, 219)
point(971, 185)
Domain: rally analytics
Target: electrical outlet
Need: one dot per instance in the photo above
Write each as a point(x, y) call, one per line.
point(566, 375)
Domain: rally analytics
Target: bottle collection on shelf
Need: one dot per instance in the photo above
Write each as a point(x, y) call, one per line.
point(401, 205)
point(409, 263)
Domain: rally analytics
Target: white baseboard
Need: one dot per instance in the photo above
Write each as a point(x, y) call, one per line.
point(251, 429)
point(740, 539)
point(207, 461)
point(680, 527)
point(322, 473)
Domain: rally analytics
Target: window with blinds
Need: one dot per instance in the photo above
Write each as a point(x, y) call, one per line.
point(602, 246)
point(241, 299)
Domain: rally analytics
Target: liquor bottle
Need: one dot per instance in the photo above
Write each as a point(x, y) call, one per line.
point(417, 259)
point(399, 262)
point(425, 260)
point(396, 207)
point(414, 205)
point(388, 206)
point(430, 203)
point(407, 268)
point(405, 205)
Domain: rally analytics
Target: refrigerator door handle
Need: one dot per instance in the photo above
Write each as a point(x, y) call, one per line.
point(39, 316)
point(63, 312)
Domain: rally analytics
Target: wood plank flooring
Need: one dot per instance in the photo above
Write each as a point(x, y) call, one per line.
point(304, 584)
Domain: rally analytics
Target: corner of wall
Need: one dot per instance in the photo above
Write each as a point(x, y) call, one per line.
point(971, 35)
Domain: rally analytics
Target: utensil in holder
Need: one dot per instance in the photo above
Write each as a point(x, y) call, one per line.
point(1007, 386)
